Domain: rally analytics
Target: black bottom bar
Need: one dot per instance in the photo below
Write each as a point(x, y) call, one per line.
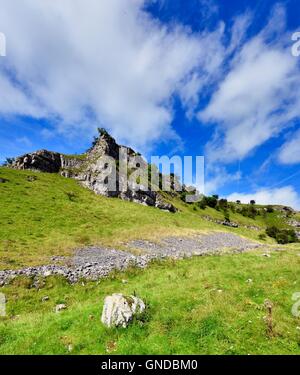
point(89, 365)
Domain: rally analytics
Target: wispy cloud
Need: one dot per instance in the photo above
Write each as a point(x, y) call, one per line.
point(286, 195)
point(120, 68)
point(290, 151)
point(110, 63)
point(259, 96)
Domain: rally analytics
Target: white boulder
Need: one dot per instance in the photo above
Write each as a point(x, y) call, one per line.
point(60, 307)
point(119, 310)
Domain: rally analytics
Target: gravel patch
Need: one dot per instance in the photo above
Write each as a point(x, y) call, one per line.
point(94, 263)
point(196, 245)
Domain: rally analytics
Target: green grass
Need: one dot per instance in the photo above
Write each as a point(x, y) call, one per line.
point(42, 215)
point(197, 306)
point(53, 215)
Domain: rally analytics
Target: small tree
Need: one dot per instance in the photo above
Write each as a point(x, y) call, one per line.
point(8, 161)
point(102, 131)
point(292, 235)
point(223, 204)
point(282, 238)
point(272, 231)
point(212, 201)
point(202, 204)
point(252, 201)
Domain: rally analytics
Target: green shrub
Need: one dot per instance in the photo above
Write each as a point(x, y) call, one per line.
point(223, 204)
point(282, 236)
point(202, 204)
point(292, 235)
point(212, 201)
point(272, 231)
point(262, 236)
point(249, 211)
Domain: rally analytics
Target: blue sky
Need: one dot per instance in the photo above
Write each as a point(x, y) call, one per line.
point(184, 77)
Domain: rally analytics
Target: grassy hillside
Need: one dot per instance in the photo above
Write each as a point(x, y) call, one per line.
point(42, 215)
point(45, 214)
point(202, 305)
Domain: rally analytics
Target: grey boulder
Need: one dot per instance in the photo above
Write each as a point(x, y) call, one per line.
point(119, 310)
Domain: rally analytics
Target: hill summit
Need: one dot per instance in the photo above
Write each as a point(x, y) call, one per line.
point(104, 168)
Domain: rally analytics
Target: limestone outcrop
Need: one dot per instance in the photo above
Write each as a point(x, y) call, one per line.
point(100, 169)
point(42, 160)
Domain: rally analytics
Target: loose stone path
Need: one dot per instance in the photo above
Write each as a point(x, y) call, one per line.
point(97, 262)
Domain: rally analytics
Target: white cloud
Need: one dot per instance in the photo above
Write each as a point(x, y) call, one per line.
point(108, 63)
point(258, 98)
point(217, 177)
point(290, 151)
point(100, 62)
point(286, 196)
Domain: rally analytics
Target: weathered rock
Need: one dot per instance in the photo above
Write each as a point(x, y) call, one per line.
point(42, 160)
point(230, 224)
point(294, 223)
point(94, 171)
point(161, 204)
point(60, 307)
point(119, 310)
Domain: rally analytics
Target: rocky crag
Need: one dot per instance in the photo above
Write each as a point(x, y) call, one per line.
point(93, 170)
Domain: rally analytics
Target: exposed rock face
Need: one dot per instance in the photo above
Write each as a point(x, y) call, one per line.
point(294, 223)
point(119, 310)
point(43, 160)
point(99, 170)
